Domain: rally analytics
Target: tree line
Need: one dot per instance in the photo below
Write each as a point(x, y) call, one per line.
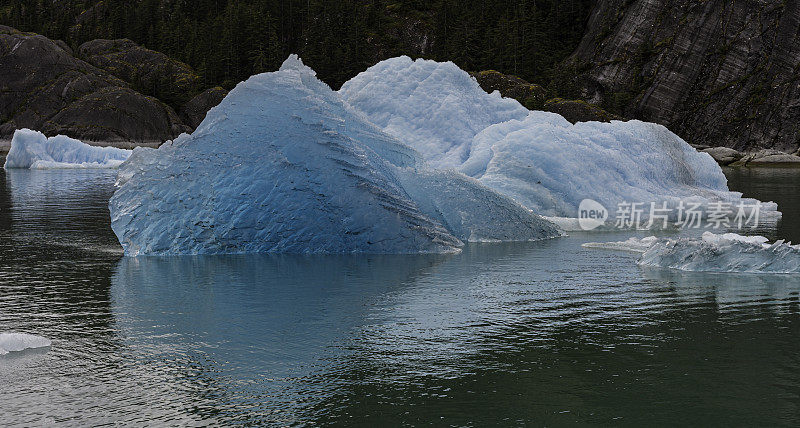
point(226, 41)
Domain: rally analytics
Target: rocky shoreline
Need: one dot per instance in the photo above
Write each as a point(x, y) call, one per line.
point(726, 156)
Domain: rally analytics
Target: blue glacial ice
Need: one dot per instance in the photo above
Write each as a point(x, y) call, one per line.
point(537, 158)
point(32, 150)
point(728, 252)
point(284, 165)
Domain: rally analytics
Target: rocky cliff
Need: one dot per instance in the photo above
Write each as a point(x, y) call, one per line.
point(107, 90)
point(148, 71)
point(44, 87)
point(716, 72)
point(535, 97)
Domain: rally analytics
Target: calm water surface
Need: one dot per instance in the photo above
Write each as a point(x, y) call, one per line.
point(527, 334)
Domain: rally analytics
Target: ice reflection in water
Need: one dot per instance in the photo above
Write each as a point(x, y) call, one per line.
point(542, 333)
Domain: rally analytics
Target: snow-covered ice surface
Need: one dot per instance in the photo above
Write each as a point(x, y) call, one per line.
point(32, 150)
point(434, 107)
point(537, 158)
point(284, 165)
point(727, 252)
point(17, 342)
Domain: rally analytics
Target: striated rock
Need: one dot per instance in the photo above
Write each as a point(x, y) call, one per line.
point(529, 95)
point(43, 87)
point(578, 111)
point(723, 155)
point(148, 71)
point(724, 73)
point(194, 111)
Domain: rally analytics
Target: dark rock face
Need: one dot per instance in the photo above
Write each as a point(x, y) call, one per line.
point(534, 97)
point(148, 72)
point(194, 111)
point(720, 73)
point(116, 112)
point(578, 111)
point(530, 95)
point(43, 87)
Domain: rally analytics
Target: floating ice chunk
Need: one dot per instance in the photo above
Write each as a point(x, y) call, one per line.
point(727, 252)
point(31, 149)
point(724, 253)
point(283, 164)
point(632, 245)
point(537, 158)
point(17, 342)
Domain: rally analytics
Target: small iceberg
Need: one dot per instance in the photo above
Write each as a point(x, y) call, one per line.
point(32, 150)
point(18, 342)
point(712, 252)
point(284, 165)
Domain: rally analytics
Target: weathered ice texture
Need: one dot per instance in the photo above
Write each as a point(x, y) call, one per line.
point(43, 87)
point(718, 72)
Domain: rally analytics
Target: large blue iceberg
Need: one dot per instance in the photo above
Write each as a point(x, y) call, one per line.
point(283, 164)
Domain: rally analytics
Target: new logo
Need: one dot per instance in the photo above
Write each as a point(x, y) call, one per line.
point(591, 214)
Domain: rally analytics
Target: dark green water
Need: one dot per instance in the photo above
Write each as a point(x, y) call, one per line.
point(528, 334)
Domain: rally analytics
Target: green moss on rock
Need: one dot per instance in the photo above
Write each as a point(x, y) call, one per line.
point(530, 95)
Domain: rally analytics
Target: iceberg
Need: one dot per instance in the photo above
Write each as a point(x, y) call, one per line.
point(284, 165)
point(537, 158)
point(728, 252)
point(18, 342)
point(32, 150)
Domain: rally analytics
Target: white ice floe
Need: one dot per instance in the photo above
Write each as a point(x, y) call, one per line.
point(283, 164)
point(32, 150)
point(539, 159)
point(727, 252)
point(17, 342)
point(632, 245)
